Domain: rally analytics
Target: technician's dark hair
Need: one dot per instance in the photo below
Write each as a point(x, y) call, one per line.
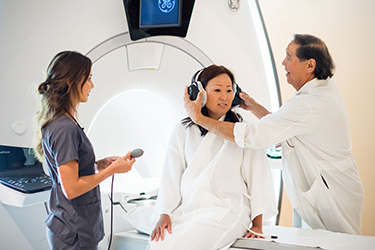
point(313, 47)
point(66, 74)
point(205, 76)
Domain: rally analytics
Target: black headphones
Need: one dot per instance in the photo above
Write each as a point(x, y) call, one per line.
point(196, 86)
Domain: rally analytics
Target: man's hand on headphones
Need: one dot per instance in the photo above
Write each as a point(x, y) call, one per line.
point(247, 102)
point(250, 104)
point(193, 108)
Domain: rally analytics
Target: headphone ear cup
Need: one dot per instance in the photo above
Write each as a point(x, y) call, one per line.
point(194, 90)
point(236, 99)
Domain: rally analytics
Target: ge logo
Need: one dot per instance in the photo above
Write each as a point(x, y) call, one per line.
point(166, 6)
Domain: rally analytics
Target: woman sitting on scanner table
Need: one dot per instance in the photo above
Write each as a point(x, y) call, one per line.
point(212, 191)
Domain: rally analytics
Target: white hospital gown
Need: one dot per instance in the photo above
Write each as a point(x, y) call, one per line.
point(208, 182)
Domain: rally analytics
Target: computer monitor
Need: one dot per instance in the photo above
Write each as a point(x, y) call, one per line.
point(147, 18)
point(159, 14)
point(21, 171)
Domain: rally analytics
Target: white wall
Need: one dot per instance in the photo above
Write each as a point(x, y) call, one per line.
point(348, 28)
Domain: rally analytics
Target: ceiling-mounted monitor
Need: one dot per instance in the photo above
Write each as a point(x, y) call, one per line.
point(148, 18)
point(159, 14)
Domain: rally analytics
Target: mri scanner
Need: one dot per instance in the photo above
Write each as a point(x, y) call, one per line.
point(138, 94)
point(136, 102)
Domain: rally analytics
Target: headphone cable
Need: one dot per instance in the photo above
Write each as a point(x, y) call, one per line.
point(111, 200)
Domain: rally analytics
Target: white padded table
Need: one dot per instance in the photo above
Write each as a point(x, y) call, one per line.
point(288, 239)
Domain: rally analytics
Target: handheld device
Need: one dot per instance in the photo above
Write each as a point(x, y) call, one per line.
point(136, 153)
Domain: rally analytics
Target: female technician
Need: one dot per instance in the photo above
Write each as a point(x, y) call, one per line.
point(75, 220)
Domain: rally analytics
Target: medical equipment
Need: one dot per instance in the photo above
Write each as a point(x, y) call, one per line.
point(121, 74)
point(19, 170)
point(155, 14)
point(136, 153)
point(142, 18)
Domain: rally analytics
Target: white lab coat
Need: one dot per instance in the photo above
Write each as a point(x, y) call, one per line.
point(319, 172)
point(203, 179)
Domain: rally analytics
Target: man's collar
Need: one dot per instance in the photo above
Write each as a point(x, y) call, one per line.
point(309, 85)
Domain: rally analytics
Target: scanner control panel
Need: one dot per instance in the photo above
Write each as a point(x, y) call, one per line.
point(28, 184)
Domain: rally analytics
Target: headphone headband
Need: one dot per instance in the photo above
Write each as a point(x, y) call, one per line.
point(196, 76)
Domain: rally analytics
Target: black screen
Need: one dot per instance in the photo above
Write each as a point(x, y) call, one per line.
point(146, 20)
point(16, 161)
point(21, 171)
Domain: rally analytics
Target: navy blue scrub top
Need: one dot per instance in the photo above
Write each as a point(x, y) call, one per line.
point(63, 141)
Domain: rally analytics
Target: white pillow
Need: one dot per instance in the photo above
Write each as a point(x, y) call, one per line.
point(140, 218)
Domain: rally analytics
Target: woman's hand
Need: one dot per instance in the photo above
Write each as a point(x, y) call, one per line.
point(122, 164)
point(255, 229)
point(164, 222)
point(74, 185)
point(104, 163)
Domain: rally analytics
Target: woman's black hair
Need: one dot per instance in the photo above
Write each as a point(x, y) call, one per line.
point(205, 76)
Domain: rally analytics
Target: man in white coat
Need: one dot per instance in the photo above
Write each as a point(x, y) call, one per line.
point(319, 172)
